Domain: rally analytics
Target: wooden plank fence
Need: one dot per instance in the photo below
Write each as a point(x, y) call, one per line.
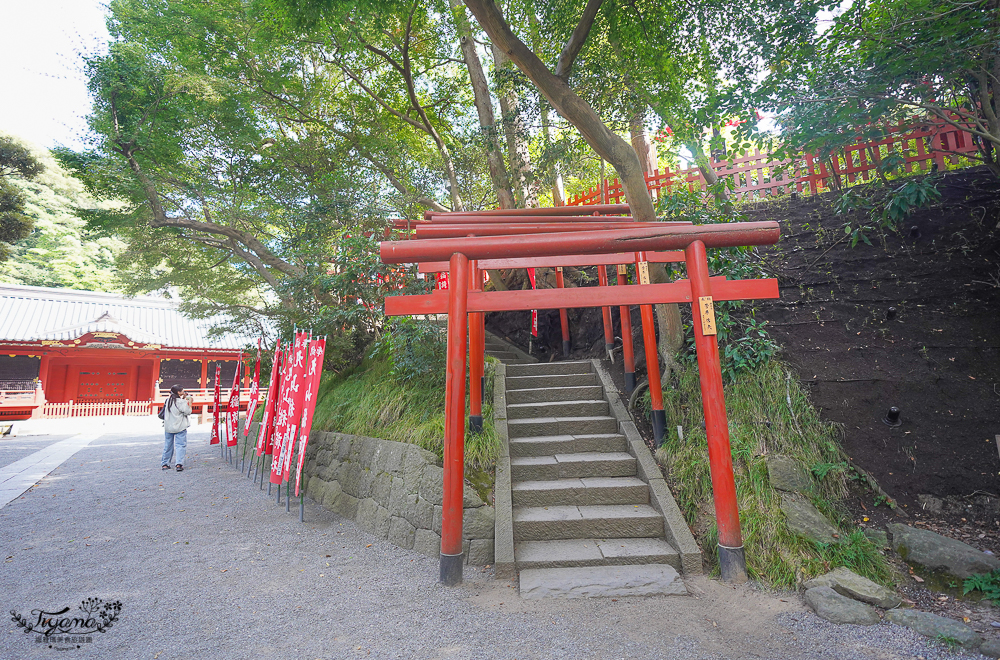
point(921, 147)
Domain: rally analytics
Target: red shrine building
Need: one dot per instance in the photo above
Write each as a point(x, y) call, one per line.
point(67, 353)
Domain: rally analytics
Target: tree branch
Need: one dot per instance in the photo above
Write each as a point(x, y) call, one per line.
point(605, 142)
point(578, 38)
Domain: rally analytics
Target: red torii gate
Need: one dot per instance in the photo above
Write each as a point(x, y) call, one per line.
point(699, 289)
point(601, 261)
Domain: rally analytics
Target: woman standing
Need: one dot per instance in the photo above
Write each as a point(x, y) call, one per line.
point(175, 424)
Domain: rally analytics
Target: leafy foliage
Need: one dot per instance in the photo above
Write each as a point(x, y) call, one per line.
point(16, 162)
point(880, 64)
point(415, 349)
point(987, 583)
point(59, 252)
point(870, 208)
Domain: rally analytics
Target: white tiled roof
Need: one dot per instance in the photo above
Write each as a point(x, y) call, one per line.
point(32, 313)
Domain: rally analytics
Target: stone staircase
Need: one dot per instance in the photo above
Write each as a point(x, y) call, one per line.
point(583, 519)
point(505, 351)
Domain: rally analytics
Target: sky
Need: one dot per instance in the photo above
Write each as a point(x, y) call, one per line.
point(44, 97)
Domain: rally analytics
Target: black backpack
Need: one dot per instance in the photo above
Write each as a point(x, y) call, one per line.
point(163, 409)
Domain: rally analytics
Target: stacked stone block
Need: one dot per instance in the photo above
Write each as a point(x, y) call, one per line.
point(392, 490)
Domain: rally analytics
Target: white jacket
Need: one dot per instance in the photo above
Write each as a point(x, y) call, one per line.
point(175, 419)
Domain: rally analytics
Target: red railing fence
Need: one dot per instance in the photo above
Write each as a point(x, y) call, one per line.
point(922, 147)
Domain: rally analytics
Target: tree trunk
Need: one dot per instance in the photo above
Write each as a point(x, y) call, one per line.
point(484, 107)
point(558, 188)
point(668, 316)
point(517, 145)
point(643, 146)
point(566, 102)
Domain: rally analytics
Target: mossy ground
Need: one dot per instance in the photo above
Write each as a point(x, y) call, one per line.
point(769, 413)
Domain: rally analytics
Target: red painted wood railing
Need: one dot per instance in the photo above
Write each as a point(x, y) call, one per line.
point(923, 147)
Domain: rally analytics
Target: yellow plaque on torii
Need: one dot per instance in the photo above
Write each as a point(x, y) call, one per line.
point(643, 268)
point(707, 310)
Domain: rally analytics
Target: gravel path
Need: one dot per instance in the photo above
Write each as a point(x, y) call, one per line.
point(204, 563)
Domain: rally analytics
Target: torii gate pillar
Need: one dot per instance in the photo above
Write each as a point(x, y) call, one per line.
point(454, 424)
point(732, 560)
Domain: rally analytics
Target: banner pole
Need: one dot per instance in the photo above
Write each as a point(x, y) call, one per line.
point(288, 495)
point(302, 506)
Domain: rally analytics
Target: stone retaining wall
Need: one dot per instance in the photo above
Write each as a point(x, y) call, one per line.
point(392, 490)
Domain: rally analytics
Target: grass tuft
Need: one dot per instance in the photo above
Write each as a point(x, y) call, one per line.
point(769, 413)
point(368, 401)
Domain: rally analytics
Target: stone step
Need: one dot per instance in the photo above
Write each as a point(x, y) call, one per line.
point(543, 394)
point(552, 369)
point(601, 581)
point(572, 466)
point(549, 445)
point(535, 382)
point(582, 491)
point(558, 409)
point(532, 426)
point(602, 521)
point(503, 356)
point(565, 553)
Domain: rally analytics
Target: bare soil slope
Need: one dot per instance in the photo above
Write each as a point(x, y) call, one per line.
point(937, 357)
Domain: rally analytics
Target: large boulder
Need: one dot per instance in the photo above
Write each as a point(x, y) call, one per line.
point(940, 553)
point(787, 474)
point(991, 649)
point(848, 583)
point(932, 625)
point(835, 608)
point(806, 520)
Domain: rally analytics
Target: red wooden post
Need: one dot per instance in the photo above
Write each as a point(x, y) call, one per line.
point(481, 349)
point(609, 333)
point(652, 355)
point(732, 560)
point(454, 424)
point(625, 312)
point(563, 316)
point(475, 357)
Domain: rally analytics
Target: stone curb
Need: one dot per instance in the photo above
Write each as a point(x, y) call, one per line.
point(521, 355)
point(503, 536)
point(676, 530)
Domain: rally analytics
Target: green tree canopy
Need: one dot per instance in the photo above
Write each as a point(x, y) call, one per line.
point(884, 63)
point(16, 163)
point(58, 251)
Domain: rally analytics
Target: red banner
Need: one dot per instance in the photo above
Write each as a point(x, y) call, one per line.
point(254, 395)
point(266, 430)
point(215, 409)
point(297, 392)
point(281, 407)
point(316, 351)
point(442, 282)
point(534, 312)
point(233, 409)
point(286, 421)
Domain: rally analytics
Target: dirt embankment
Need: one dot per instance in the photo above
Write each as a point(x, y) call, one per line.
point(911, 321)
